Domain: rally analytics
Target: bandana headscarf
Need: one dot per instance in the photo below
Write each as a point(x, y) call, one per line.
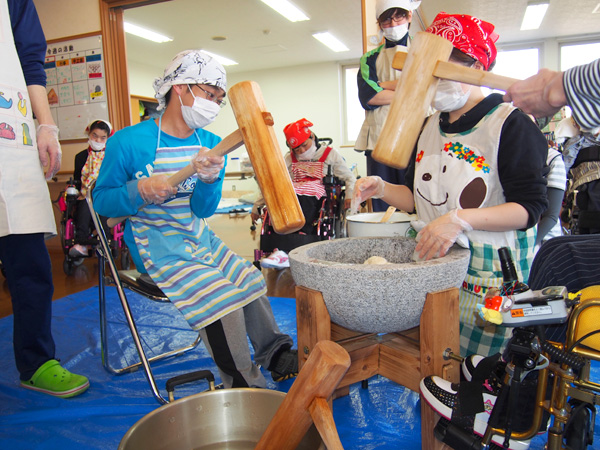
point(468, 34)
point(296, 133)
point(190, 67)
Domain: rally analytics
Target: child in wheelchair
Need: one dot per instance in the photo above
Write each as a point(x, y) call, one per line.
point(505, 400)
point(77, 229)
point(319, 175)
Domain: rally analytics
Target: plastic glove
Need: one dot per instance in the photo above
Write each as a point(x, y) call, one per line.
point(207, 167)
point(366, 188)
point(156, 189)
point(49, 148)
point(438, 235)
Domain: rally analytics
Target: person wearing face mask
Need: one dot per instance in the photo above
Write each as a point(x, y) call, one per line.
point(377, 81)
point(220, 294)
point(308, 161)
point(87, 167)
point(476, 178)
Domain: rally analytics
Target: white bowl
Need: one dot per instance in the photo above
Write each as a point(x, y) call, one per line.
point(369, 224)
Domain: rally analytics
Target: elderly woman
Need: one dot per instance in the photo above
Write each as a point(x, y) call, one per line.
point(219, 293)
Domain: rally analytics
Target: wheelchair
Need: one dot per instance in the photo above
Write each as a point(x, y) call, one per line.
point(565, 397)
point(327, 223)
point(67, 204)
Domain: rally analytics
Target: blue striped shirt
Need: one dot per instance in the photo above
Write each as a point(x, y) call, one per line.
point(582, 87)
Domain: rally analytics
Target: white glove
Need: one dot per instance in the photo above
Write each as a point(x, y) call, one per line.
point(366, 188)
point(156, 189)
point(49, 148)
point(207, 167)
point(436, 238)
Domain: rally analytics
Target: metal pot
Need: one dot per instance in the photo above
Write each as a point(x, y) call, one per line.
point(369, 224)
point(232, 419)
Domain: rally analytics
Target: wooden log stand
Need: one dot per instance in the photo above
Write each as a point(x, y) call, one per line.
point(404, 358)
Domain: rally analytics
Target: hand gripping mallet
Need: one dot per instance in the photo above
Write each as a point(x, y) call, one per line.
point(423, 66)
point(256, 132)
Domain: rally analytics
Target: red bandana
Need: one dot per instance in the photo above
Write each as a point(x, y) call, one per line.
point(297, 132)
point(470, 35)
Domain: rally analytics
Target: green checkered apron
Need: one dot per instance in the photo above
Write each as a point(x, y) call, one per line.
point(477, 336)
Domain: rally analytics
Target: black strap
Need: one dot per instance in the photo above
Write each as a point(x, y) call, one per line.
point(586, 154)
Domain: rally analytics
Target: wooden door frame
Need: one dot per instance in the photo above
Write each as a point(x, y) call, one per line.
point(115, 63)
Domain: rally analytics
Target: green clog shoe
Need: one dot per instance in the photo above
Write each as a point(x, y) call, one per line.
point(52, 379)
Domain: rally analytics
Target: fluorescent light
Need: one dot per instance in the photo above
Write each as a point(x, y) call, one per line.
point(144, 33)
point(287, 10)
point(534, 14)
point(221, 59)
point(331, 41)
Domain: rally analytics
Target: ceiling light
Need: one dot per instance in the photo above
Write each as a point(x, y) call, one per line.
point(534, 14)
point(221, 59)
point(287, 10)
point(145, 33)
point(596, 9)
point(331, 41)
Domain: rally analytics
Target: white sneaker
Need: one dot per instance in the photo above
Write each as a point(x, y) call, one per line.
point(276, 260)
point(77, 251)
point(442, 396)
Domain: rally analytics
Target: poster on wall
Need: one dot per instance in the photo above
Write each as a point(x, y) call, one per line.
point(76, 84)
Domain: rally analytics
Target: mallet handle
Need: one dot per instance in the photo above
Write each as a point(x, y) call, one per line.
point(227, 145)
point(456, 72)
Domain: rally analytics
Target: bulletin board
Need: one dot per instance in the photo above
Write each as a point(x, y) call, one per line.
point(76, 84)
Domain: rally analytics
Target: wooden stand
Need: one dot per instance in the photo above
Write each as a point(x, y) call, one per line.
point(404, 358)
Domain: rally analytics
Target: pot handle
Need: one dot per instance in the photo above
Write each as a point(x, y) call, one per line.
point(188, 378)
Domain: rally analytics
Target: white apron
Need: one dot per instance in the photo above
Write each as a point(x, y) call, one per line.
point(461, 171)
point(375, 118)
point(25, 205)
point(203, 278)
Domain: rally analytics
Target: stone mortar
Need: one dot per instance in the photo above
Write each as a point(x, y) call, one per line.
point(375, 298)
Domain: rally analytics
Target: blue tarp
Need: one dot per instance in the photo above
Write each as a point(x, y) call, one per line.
point(384, 416)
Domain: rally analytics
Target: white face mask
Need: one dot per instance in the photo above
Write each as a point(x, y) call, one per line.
point(96, 146)
point(308, 154)
point(394, 34)
point(202, 113)
point(450, 96)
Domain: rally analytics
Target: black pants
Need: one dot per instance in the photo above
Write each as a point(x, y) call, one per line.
point(29, 275)
point(84, 224)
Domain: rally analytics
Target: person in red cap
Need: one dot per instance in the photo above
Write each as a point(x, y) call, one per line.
point(476, 179)
point(308, 162)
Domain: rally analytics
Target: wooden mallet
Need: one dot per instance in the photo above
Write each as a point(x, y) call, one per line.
point(423, 66)
point(307, 401)
point(256, 132)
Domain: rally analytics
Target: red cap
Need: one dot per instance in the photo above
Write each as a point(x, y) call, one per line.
point(296, 133)
point(469, 34)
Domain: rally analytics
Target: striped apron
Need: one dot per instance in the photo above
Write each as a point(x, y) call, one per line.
point(203, 278)
point(307, 176)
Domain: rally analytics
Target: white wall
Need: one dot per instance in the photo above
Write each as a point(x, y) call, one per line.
point(312, 92)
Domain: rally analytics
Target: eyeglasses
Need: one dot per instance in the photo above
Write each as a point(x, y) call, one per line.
point(397, 18)
point(212, 97)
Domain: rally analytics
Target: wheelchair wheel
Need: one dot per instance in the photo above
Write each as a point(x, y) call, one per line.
point(125, 260)
point(579, 432)
point(68, 266)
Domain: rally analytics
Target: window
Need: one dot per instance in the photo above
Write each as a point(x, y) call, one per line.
point(519, 63)
point(354, 114)
point(572, 55)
